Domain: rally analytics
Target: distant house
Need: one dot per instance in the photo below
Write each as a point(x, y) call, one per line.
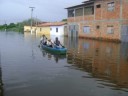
point(34, 27)
point(57, 28)
point(106, 19)
point(27, 28)
point(49, 28)
point(43, 28)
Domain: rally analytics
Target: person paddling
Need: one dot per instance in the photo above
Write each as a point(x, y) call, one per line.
point(57, 43)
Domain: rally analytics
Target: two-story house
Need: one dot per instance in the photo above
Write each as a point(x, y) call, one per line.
point(104, 19)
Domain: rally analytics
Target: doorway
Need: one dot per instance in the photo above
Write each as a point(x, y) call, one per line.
point(73, 30)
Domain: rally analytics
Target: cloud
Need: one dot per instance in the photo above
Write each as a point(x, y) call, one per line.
point(48, 10)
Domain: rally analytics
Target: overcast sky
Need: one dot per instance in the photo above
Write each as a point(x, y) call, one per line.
point(46, 10)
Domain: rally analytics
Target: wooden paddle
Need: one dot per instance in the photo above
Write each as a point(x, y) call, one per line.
point(62, 45)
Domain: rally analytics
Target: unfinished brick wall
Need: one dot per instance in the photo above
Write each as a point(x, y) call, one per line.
point(105, 18)
point(88, 35)
point(98, 11)
point(125, 9)
point(106, 14)
point(78, 19)
point(71, 19)
point(116, 27)
point(102, 18)
point(97, 29)
point(88, 17)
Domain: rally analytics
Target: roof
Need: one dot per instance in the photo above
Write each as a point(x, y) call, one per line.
point(85, 3)
point(90, 1)
point(52, 24)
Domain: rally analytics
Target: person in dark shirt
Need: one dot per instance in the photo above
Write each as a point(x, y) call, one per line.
point(57, 43)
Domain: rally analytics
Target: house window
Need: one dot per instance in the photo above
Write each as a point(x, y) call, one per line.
point(86, 29)
point(88, 10)
point(71, 13)
point(97, 27)
point(79, 12)
point(56, 29)
point(98, 6)
point(111, 6)
point(110, 30)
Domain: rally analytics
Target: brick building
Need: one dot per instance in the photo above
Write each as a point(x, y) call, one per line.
point(104, 19)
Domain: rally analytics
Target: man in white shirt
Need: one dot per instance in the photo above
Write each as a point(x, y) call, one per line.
point(43, 39)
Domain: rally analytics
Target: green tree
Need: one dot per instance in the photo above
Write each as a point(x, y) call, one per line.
point(11, 25)
point(19, 27)
point(64, 20)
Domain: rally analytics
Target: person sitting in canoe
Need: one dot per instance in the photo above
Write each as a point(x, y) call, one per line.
point(57, 43)
point(43, 39)
point(49, 43)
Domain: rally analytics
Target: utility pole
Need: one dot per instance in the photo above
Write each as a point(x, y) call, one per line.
point(32, 8)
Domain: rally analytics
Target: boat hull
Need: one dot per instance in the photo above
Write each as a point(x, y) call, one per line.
point(61, 51)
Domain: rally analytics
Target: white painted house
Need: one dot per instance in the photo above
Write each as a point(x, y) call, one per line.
point(57, 28)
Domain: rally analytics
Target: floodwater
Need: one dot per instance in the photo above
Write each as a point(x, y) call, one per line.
point(90, 68)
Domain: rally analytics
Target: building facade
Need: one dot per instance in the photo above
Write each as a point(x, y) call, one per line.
point(58, 28)
point(48, 28)
point(40, 29)
point(99, 19)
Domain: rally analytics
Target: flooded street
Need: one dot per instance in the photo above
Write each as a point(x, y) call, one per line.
point(90, 67)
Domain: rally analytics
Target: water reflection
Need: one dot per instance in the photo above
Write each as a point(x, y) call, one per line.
point(36, 38)
point(106, 62)
point(50, 55)
point(29, 71)
point(73, 42)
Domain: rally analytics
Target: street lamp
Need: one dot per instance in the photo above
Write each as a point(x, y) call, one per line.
point(32, 8)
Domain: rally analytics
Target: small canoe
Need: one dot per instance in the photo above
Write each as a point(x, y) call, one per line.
point(55, 50)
